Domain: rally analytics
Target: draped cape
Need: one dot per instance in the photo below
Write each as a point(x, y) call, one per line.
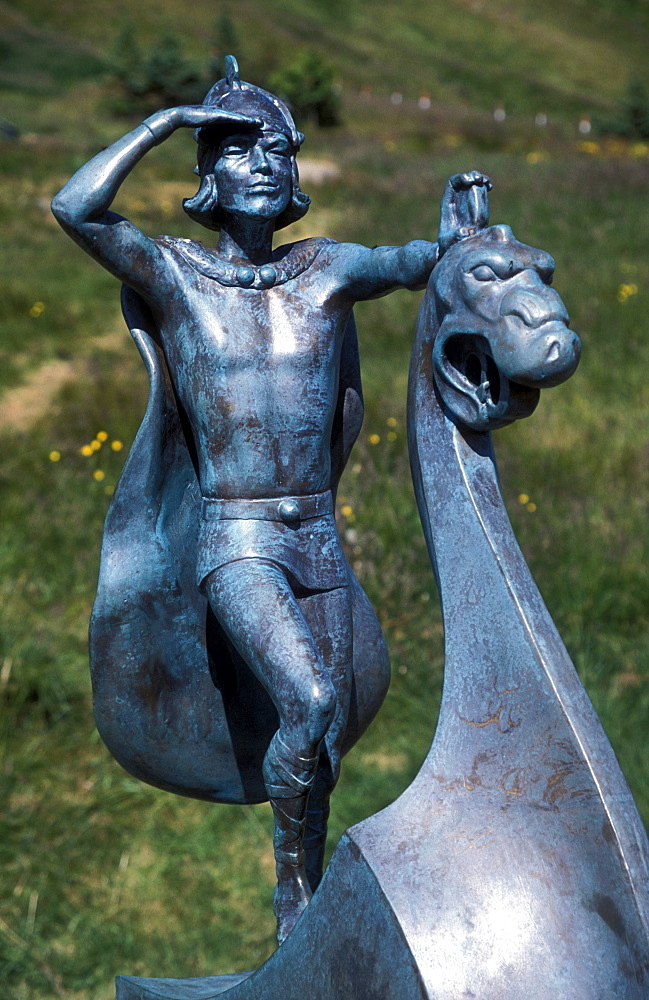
point(174, 702)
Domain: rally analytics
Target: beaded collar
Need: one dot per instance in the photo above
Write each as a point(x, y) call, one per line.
point(286, 262)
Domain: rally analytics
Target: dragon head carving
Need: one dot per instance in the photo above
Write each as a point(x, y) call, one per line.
point(502, 330)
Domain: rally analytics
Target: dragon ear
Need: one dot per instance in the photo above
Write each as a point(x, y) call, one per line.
point(477, 394)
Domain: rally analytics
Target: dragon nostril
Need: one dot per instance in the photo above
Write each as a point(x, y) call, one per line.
point(554, 351)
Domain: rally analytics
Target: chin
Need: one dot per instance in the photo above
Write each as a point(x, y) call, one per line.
point(265, 209)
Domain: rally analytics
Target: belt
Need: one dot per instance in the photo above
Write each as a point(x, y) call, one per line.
point(290, 510)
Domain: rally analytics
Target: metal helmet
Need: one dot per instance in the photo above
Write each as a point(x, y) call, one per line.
point(234, 94)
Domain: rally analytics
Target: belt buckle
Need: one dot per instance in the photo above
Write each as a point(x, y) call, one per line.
point(289, 511)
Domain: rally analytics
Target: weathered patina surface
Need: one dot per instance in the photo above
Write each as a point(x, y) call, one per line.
point(515, 865)
point(234, 655)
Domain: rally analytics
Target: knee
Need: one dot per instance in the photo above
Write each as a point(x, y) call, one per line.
point(323, 697)
point(317, 706)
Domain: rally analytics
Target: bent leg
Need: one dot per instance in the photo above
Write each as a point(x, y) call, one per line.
point(257, 608)
point(329, 616)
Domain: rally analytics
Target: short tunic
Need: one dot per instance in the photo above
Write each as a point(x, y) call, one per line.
point(309, 549)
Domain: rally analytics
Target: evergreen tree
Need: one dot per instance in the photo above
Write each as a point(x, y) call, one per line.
point(307, 85)
point(632, 117)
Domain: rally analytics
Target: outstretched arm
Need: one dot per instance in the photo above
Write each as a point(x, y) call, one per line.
point(367, 274)
point(82, 206)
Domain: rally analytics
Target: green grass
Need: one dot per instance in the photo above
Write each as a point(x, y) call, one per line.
point(101, 874)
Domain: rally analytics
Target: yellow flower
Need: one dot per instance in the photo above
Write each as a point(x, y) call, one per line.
point(523, 498)
point(346, 510)
point(640, 149)
point(374, 438)
point(102, 436)
point(116, 445)
point(86, 450)
point(36, 309)
point(55, 456)
point(98, 475)
point(391, 422)
point(109, 490)
point(531, 507)
point(625, 292)
point(392, 436)
point(95, 445)
point(589, 147)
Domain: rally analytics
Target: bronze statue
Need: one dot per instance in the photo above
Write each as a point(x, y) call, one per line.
point(234, 654)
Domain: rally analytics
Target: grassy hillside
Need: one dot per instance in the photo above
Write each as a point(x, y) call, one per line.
point(564, 56)
point(101, 874)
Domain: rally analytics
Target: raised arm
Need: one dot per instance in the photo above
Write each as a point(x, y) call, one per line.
point(82, 206)
point(367, 274)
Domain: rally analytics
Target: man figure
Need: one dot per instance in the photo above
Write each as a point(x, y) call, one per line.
point(253, 340)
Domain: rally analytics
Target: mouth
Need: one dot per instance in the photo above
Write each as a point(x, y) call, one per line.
point(262, 188)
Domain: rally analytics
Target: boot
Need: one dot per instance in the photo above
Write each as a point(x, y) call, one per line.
point(289, 778)
point(315, 837)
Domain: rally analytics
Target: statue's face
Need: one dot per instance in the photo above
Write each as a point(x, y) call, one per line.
point(253, 174)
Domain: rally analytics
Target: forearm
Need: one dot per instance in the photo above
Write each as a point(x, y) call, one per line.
point(371, 273)
point(412, 264)
point(91, 190)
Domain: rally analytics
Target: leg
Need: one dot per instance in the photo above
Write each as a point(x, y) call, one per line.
point(258, 610)
point(329, 617)
point(315, 834)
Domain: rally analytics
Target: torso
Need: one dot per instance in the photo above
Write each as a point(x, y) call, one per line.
point(256, 370)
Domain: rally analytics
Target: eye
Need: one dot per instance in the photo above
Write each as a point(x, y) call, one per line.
point(484, 273)
point(236, 145)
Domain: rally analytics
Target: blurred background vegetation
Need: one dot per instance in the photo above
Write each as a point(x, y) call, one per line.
point(101, 874)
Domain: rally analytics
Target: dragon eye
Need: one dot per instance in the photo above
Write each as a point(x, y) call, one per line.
point(484, 273)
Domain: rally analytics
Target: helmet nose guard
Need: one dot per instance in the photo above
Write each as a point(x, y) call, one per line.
point(234, 94)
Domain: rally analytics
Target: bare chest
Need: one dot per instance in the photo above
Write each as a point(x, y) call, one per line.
point(216, 334)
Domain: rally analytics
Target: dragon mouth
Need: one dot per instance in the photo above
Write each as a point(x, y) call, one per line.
point(475, 387)
point(469, 357)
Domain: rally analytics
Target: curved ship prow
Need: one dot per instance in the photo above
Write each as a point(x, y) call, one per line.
point(516, 864)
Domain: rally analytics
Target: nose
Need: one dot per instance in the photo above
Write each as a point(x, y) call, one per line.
point(260, 163)
point(534, 306)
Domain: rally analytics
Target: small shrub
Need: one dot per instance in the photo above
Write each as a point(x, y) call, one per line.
point(226, 42)
point(307, 86)
point(163, 77)
point(632, 117)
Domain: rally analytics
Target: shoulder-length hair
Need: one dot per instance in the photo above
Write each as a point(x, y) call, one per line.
point(204, 206)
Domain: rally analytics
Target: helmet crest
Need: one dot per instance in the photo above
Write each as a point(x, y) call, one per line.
point(232, 72)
